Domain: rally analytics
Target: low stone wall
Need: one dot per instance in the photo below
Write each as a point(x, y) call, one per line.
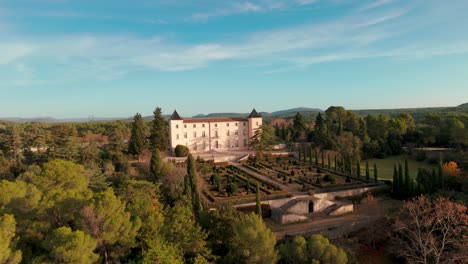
point(347, 193)
point(282, 217)
point(343, 209)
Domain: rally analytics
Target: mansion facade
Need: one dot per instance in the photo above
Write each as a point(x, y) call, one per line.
point(208, 134)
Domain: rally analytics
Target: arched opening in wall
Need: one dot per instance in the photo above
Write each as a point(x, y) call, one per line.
point(311, 206)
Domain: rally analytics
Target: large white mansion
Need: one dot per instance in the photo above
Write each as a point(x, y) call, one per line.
point(207, 134)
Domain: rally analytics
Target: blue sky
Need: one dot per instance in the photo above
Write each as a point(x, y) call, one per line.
point(112, 58)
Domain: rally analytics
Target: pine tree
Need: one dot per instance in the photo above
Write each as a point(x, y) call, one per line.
point(137, 143)
point(155, 165)
point(367, 171)
point(258, 205)
point(159, 135)
point(192, 176)
point(376, 175)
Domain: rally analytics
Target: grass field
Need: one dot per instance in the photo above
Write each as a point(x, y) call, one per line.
point(385, 166)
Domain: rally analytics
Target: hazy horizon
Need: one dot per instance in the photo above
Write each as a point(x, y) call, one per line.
point(69, 59)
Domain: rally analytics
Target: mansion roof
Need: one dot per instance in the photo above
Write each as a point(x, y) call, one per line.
point(214, 120)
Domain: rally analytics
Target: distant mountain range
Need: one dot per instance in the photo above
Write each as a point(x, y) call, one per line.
point(416, 112)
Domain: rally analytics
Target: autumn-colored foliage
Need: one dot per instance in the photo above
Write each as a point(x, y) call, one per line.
point(431, 231)
point(451, 169)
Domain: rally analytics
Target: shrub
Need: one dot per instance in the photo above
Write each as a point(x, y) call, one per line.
point(181, 151)
point(215, 178)
point(329, 178)
point(231, 189)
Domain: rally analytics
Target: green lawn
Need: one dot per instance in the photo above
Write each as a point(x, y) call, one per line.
point(385, 166)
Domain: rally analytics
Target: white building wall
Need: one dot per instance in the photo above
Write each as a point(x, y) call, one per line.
point(216, 137)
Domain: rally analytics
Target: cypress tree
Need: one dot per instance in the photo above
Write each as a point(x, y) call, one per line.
point(258, 205)
point(441, 177)
point(159, 135)
point(407, 179)
point(310, 155)
point(336, 162)
point(401, 183)
point(155, 165)
point(323, 159)
point(316, 157)
point(395, 180)
point(376, 175)
point(137, 143)
point(367, 171)
point(192, 174)
point(343, 164)
point(358, 168)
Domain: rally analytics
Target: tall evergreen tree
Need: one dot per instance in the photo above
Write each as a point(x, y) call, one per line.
point(316, 157)
point(367, 171)
point(358, 168)
point(323, 160)
point(441, 177)
point(336, 163)
point(192, 175)
point(137, 143)
point(376, 173)
point(155, 165)
point(258, 205)
point(407, 179)
point(395, 183)
point(159, 135)
point(401, 182)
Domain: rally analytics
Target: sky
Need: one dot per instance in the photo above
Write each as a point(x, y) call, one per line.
point(113, 58)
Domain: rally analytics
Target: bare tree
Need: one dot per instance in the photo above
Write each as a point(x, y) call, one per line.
point(435, 231)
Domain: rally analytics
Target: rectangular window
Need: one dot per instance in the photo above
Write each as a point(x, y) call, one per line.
point(227, 133)
point(227, 124)
point(216, 125)
point(177, 136)
point(257, 123)
point(195, 146)
point(194, 134)
point(236, 132)
point(245, 142)
point(245, 132)
point(203, 125)
point(185, 134)
point(236, 124)
point(194, 125)
point(204, 145)
point(237, 144)
point(203, 134)
point(185, 126)
point(176, 126)
point(244, 123)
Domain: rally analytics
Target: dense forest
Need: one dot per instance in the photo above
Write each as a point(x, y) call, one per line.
point(100, 192)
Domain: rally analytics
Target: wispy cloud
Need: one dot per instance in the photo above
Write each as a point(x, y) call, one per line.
point(234, 8)
point(109, 57)
point(376, 4)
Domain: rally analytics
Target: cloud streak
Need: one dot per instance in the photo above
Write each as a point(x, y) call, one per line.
point(110, 57)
